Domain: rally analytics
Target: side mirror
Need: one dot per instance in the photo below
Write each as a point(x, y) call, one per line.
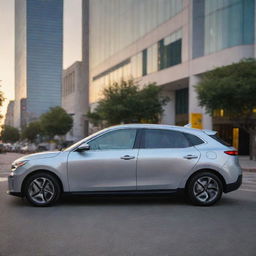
point(83, 147)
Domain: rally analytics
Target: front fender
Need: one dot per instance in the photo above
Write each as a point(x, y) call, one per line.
point(56, 165)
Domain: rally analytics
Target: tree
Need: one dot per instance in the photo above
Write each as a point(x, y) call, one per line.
point(124, 102)
point(233, 89)
point(56, 122)
point(9, 134)
point(31, 131)
point(1, 101)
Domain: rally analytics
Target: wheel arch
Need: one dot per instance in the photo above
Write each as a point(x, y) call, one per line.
point(219, 175)
point(41, 171)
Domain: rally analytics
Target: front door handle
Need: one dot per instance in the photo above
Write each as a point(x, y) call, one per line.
point(190, 156)
point(127, 157)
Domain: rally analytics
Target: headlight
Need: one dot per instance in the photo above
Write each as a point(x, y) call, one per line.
point(17, 164)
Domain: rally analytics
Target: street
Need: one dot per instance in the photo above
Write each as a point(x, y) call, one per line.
point(128, 225)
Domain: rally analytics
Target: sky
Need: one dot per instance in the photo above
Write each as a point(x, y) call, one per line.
point(72, 42)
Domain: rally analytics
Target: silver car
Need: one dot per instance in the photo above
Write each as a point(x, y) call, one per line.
point(132, 159)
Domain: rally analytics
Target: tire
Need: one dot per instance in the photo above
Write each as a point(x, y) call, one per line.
point(204, 189)
point(42, 189)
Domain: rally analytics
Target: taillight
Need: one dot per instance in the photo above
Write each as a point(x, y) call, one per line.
point(231, 152)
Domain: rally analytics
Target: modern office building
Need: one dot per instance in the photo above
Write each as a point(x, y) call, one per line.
point(74, 101)
point(9, 116)
point(172, 43)
point(38, 58)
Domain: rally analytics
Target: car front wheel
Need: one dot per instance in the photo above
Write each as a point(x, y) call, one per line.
point(204, 189)
point(42, 189)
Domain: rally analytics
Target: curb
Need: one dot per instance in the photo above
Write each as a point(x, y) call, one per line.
point(249, 170)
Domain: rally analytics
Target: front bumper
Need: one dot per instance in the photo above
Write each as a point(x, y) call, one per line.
point(234, 186)
point(14, 193)
point(11, 185)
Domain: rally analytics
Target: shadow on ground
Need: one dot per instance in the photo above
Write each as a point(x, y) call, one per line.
point(82, 200)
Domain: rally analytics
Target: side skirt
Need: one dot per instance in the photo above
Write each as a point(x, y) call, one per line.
point(127, 193)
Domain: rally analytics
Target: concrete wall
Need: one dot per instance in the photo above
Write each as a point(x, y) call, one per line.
point(75, 103)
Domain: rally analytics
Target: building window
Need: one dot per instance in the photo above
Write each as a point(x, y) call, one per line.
point(69, 84)
point(166, 53)
point(181, 106)
point(152, 59)
point(136, 65)
point(115, 24)
point(170, 50)
point(144, 62)
point(227, 24)
point(181, 101)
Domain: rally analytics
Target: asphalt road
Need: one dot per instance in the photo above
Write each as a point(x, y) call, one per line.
point(128, 226)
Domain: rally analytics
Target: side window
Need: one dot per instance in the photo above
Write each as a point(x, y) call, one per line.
point(120, 139)
point(164, 139)
point(217, 138)
point(194, 140)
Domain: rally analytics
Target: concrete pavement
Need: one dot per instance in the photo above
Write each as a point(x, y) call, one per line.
point(127, 226)
point(247, 164)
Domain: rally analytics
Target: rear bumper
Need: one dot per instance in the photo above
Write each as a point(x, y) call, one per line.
point(234, 186)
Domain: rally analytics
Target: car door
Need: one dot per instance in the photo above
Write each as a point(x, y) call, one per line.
point(164, 158)
point(109, 164)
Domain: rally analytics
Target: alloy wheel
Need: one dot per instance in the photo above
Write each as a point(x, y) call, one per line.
point(41, 190)
point(206, 189)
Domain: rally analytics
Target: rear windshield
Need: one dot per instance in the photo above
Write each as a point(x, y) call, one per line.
point(216, 137)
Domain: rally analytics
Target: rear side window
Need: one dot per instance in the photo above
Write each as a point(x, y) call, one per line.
point(216, 137)
point(194, 140)
point(154, 138)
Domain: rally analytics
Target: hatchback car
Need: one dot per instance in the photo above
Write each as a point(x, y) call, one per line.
point(131, 159)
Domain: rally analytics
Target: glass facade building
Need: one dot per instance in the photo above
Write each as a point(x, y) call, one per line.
point(114, 25)
point(171, 43)
point(204, 27)
point(38, 57)
point(163, 54)
point(221, 24)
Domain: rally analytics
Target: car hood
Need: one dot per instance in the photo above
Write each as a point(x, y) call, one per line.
point(48, 154)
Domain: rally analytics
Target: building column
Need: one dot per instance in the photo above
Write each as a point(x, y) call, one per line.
point(254, 28)
point(85, 60)
point(16, 114)
point(169, 109)
point(197, 115)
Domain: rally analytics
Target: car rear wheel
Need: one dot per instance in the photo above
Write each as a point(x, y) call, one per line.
point(204, 189)
point(42, 189)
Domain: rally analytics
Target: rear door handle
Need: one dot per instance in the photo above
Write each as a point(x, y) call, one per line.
point(190, 156)
point(127, 157)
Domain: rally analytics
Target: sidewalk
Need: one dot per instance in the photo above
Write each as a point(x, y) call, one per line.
point(247, 164)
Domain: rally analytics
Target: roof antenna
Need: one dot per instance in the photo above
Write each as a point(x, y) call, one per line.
point(188, 125)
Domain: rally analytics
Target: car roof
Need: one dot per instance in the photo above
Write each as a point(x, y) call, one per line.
point(201, 133)
point(159, 126)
